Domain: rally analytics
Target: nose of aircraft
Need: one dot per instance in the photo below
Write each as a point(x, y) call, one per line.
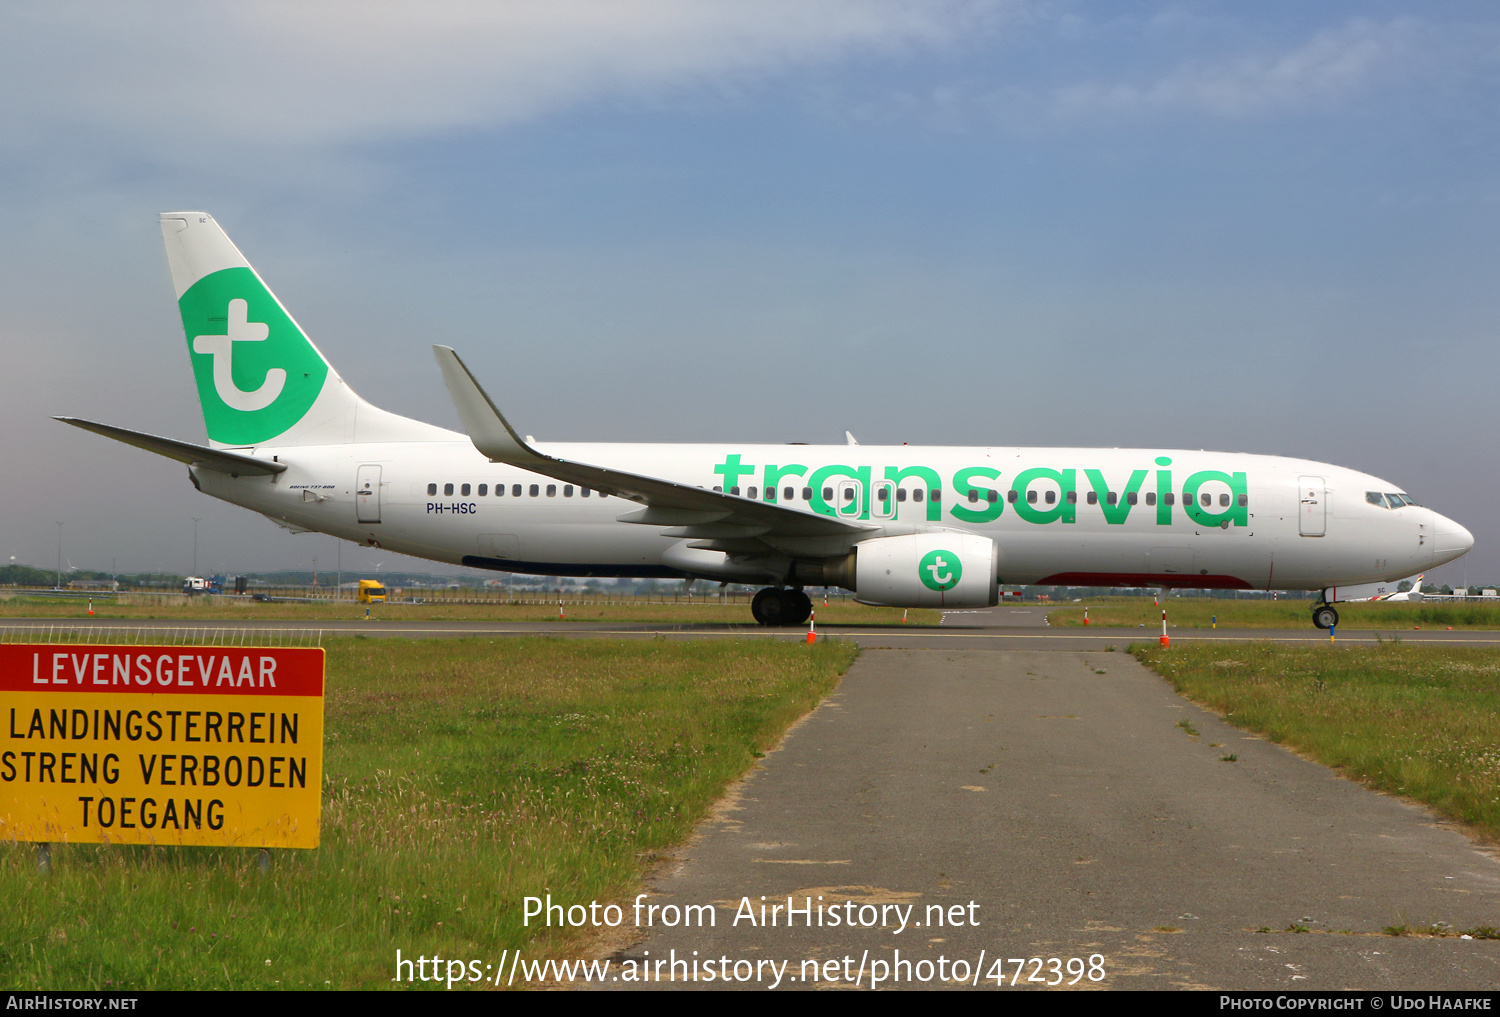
point(1450, 540)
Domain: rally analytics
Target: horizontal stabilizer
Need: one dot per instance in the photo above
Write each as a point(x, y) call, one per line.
point(184, 452)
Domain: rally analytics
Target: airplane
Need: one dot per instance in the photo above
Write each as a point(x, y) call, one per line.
point(1412, 593)
point(898, 525)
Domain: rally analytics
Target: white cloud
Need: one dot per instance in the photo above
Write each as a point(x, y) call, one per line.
point(1330, 67)
point(277, 73)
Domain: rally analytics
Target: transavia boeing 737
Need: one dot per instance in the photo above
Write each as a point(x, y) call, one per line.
point(904, 526)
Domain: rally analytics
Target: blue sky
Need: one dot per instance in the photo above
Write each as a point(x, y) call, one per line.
point(1265, 227)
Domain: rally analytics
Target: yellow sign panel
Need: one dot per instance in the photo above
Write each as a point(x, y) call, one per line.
point(161, 745)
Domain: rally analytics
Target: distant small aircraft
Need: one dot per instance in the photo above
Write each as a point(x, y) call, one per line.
point(1414, 593)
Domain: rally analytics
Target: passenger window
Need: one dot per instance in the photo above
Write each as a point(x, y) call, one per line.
point(1223, 501)
point(789, 494)
point(750, 493)
point(1031, 497)
point(937, 494)
point(734, 490)
point(1072, 497)
point(884, 494)
point(992, 496)
point(973, 496)
point(552, 490)
point(431, 489)
point(1208, 500)
point(1244, 500)
point(584, 492)
point(1170, 497)
point(1014, 496)
point(515, 490)
point(1150, 497)
point(807, 494)
point(916, 495)
point(447, 488)
point(1093, 498)
point(1130, 498)
point(718, 488)
point(900, 494)
point(535, 490)
point(849, 495)
point(464, 490)
point(499, 490)
point(770, 494)
point(484, 489)
point(567, 490)
point(1112, 498)
point(1051, 497)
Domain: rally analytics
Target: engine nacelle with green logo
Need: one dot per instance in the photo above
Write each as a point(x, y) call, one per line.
point(944, 569)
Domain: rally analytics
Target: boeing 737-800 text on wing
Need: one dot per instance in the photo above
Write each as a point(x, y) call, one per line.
point(905, 526)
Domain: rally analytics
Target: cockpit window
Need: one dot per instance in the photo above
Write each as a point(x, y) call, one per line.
point(1389, 499)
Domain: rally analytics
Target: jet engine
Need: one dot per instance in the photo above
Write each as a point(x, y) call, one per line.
point(944, 569)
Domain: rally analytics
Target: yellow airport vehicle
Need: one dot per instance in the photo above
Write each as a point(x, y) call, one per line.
point(371, 592)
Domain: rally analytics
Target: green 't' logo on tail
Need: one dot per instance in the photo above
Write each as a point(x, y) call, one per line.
point(257, 374)
point(940, 570)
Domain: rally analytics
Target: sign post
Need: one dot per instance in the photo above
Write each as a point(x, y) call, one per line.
point(205, 745)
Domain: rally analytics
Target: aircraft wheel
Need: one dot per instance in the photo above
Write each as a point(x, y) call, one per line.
point(1325, 617)
point(773, 607)
point(802, 606)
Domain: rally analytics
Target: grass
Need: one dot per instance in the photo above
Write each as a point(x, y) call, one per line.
point(228, 610)
point(460, 776)
point(1199, 613)
point(1421, 721)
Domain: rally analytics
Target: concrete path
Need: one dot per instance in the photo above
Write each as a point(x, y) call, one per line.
point(1051, 805)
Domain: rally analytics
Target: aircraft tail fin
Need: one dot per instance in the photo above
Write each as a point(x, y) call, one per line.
point(260, 380)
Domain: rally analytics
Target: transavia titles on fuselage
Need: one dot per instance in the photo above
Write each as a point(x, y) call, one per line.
point(905, 526)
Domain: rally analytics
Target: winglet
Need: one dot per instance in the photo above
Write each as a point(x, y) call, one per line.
point(490, 432)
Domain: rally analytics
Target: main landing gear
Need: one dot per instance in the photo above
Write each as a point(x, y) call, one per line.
point(781, 607)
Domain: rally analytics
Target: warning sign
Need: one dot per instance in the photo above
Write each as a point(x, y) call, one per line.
point(161, 744)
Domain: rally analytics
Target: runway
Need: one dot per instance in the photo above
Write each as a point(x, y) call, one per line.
point(1000, 628)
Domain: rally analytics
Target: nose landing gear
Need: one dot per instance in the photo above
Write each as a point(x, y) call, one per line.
point(781, 607)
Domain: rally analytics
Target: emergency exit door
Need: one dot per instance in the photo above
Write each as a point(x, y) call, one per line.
point(367, 494)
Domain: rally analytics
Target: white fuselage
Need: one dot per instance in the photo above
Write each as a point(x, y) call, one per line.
point(1096, 517)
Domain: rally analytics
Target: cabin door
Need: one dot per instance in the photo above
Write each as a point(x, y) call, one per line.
point(1312, 512)
point(367, 494)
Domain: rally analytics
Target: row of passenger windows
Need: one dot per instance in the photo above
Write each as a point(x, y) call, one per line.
point(516, 490)
point(883, 494)
point(917, 494)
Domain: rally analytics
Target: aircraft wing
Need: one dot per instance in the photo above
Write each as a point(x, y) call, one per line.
point(689, 511)
point(184, 452)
